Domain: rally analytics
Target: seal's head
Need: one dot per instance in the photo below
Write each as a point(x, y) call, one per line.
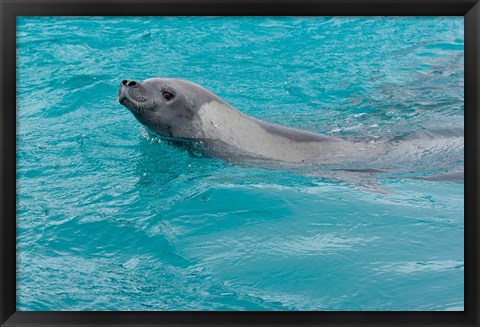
point(166, 106)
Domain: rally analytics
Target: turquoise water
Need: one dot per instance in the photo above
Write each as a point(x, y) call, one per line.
point(109, 219)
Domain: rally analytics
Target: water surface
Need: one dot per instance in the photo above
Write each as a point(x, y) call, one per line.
point(108, 219)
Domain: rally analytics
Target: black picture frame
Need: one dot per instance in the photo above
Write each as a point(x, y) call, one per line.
point(470, 9)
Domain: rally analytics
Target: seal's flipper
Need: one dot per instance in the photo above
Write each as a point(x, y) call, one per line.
point(366, 180)
point(454, 177)
point(374, 186)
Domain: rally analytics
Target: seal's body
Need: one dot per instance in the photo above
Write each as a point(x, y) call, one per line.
point(183, 110)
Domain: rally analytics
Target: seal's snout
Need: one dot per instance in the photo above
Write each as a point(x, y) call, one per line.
point(121, 93)
point(124, 87)
point(128, 83)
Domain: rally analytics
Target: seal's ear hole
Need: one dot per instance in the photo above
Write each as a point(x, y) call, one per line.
point(167, 96)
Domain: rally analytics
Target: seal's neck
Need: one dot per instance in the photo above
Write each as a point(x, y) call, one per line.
point(221, 122)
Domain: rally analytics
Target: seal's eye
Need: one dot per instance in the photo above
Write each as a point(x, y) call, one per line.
point(167, 96)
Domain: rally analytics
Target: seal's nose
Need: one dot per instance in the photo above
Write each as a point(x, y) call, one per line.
point(126, 82)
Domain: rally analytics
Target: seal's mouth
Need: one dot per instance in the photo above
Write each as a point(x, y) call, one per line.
point(131, 95)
